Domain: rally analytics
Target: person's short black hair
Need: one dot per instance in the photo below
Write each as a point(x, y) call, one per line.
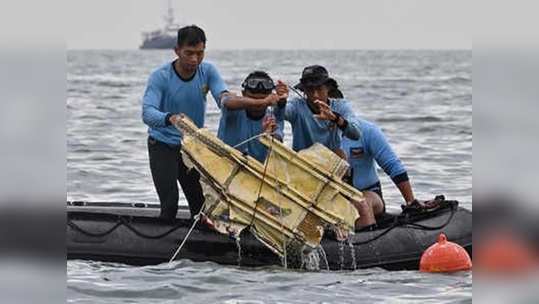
point(190, 35)
point(258, 74)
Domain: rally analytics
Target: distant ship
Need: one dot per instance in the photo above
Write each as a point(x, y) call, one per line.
point(164, 38)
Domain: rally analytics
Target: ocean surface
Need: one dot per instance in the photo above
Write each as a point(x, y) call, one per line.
point(422, 100)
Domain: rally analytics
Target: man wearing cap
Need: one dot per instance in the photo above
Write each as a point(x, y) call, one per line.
point(178, 87)
point(257, 110)
point(317, 117)
point(324, 117)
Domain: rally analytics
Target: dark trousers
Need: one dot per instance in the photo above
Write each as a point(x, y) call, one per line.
point(167, 169)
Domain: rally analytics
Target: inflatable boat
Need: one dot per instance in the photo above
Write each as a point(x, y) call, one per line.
point(292, 209)
point(132, 233)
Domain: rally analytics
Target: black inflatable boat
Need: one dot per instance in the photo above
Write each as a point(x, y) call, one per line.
point(133, 234)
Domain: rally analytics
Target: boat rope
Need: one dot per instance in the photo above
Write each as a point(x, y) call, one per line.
point(395, 224)
point(271, 112)
point(260, 191)
point(285, 262)
point(93, 234)
point(122, 221)
point(261, 183)
point(258, 200)
point(404, 221)
point(425, 227)
point(250, 139)
point(295, 91)
point(196, 219)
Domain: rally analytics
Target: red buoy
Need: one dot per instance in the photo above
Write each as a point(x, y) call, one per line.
point(445, 256)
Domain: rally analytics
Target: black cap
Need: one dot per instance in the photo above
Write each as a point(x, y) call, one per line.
point(317, 75)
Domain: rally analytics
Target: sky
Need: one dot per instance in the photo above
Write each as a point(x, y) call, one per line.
point(278, 24)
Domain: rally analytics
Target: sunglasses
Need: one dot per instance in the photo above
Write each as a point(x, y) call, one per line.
point(258, 84)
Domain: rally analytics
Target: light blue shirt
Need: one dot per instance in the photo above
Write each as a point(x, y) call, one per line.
point(372, 146)
point(166, 93)
point(307, 130)
point(235, 127)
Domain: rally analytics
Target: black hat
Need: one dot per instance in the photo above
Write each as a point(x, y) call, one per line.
point(317, 75)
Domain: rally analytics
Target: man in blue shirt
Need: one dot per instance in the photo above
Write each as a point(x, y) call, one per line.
point(178, 88)
point(361, 155)
point(258, 110)
point(317, 117)
point(325, 117)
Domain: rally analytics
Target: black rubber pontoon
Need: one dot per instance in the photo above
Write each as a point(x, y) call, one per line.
point(133, 234)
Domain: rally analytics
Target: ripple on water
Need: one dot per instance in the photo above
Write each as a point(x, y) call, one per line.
point(107, 161)
point(196, 282)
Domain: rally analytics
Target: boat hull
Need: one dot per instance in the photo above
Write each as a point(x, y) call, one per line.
point(159, 43)
point(133, 234)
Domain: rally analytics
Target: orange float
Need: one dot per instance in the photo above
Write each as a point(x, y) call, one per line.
point(445, 256)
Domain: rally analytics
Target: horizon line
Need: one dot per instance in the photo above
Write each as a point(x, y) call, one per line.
point(284, 49)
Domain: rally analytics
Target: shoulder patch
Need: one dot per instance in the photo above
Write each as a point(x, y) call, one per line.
point(205, 89)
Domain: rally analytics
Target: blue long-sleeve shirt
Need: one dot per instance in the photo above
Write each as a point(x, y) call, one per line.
point(236, 126)
point(167, 93)
point(307, 129)
point(372, 146)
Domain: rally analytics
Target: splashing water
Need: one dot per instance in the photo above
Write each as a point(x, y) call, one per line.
point(341, 254)
point(284, 261)
point(322, 253)
point(353, 254)
point(238, 245)
point(310, 260)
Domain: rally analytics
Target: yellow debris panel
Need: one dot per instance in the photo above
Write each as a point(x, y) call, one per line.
point(287, 201)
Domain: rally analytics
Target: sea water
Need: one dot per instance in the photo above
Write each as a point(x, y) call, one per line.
point(422, 100)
